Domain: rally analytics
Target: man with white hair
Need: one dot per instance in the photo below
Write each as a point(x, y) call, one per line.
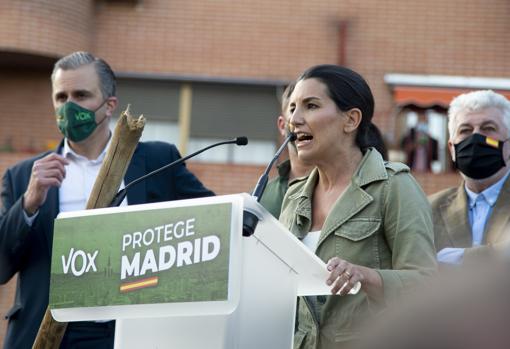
point(472, 219)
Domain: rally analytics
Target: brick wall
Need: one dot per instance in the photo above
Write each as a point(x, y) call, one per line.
point(432, 37)
point(267, 39)
point(432, 183)
point(241, 38)
point(27, 116)
point(49, 27)
point(227, 179)
point(278, 39)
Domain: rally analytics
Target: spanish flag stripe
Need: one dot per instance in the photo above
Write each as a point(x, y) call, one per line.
point(492, 142)
point(135, 285)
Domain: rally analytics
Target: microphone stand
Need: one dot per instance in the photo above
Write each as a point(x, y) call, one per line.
point(121, 194)
point(250, 220)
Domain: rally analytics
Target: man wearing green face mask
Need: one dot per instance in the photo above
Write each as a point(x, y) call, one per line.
point(37, 189)
point(75, 122)
point(472, 220)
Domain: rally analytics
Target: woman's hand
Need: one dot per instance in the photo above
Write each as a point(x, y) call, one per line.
point(343, 272)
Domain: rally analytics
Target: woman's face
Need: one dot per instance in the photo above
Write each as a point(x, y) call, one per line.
point(317, 121)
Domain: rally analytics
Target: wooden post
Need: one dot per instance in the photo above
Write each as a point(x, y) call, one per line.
point(184, 117)
point(124, 140)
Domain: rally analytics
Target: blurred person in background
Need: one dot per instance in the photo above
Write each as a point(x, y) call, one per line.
point(465, 308)
point(420, 148)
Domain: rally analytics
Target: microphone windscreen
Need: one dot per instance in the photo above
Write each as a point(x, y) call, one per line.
point(241, 140)
point(292, 136)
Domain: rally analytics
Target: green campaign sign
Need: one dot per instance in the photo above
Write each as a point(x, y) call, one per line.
point(161, 255)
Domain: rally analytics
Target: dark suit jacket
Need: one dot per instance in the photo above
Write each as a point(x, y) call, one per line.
point(27, 250)
point(451, 223)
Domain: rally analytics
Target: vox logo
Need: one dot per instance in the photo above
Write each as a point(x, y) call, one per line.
point(80, 262)
point(82, 116)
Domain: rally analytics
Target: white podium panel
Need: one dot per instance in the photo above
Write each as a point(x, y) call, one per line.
point(264, 317)
point(266, 272)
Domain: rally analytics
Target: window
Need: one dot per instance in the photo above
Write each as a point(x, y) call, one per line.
point(422, 138)
point(217, 111)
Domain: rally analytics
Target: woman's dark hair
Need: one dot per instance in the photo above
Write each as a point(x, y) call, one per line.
point(375, 139)
point(348, 90)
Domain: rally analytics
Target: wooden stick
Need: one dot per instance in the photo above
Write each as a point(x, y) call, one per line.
point(124, 140)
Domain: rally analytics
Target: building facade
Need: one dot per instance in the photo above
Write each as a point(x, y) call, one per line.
point(202, 70)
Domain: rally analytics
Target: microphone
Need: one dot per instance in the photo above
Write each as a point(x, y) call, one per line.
point(121, 194)
point(261, 184)
point(250, 220)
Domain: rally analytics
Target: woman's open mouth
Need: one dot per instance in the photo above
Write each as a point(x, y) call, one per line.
point(303, 139)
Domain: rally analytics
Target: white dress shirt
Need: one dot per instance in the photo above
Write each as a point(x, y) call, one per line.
point(311, 240)
point(81, 174)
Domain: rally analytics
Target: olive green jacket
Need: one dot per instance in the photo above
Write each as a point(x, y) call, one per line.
point(382, 221)
point(275, 190)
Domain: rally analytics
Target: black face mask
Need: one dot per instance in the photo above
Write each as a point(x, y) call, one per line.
point(478, 156)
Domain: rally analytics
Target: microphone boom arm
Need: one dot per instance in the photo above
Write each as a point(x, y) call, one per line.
point(250, 220)
point(262, 182)
point(121, 194)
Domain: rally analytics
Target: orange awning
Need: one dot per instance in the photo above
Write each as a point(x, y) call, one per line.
point(428, 97)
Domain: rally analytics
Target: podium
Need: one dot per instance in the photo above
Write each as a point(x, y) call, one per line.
point(181, 275)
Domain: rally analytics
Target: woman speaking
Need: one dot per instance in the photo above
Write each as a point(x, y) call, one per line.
point(367, 218)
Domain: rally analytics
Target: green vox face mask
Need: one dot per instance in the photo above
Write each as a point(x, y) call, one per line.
point(75, 122)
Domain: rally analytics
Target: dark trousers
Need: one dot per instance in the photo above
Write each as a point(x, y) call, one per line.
point(89, 335)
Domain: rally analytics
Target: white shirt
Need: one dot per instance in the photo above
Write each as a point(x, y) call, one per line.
point(311, 240)
point(81, 174)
